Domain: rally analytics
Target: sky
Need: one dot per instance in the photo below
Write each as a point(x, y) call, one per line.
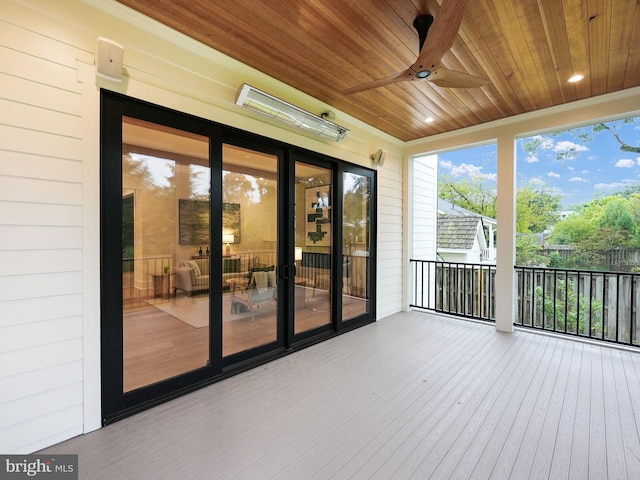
point(561, 164)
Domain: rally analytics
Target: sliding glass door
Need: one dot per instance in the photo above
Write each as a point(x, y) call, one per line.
point(357, 208)
point(250, 314)
point(166, 176)
point(313, 247)
point(220, 250)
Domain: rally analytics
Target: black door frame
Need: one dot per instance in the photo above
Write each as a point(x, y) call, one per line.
point(115, 106)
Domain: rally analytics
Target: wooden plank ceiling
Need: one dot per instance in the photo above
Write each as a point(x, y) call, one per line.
point(527, 49)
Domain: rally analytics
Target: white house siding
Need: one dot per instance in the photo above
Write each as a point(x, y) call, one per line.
point(49, 184)
point(41, 334)
point(425, 204)
point(423, 222)
point(390, 253)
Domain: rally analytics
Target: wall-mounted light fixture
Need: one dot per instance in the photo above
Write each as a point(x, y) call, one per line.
point(266, 104)
point(377, 159)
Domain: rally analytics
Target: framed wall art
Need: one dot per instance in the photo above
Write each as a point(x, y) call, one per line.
point(193, 221)
point(318, 216)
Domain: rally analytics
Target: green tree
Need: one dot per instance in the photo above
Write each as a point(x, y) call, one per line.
point(356, 213)
point(617, 218)
point(612, 128)
point(536, 209)
point(154, 198)
point(573, 230)
point(602, 224)
point(528, 251)
point(571, 311)
point(586, 135)
point(474, 194)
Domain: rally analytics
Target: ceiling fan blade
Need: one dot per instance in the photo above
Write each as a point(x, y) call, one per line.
point(443, 77)
point(399, 77)
point(436, 37)
point(442, 35)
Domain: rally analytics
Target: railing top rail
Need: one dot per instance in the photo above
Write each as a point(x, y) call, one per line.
point(530, 268)
point(443, 262)
point(576, 270)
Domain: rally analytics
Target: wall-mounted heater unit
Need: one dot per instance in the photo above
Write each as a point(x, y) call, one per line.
point(273, 107)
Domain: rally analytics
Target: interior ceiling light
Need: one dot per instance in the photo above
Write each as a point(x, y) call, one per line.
point(576, 78)
point(429, 119)
point(261, 102)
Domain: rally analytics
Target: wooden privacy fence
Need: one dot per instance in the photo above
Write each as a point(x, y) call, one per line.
point(617, 259)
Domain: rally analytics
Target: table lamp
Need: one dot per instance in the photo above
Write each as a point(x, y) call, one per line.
point(228, 238)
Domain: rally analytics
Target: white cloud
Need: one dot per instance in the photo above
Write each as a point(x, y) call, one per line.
point(533, 158)
point(577, 179)
point(625, 182)
point(603, 186)
point(625, 163)
point(553, 175)
point(537, 181)
point(446, 164)
point(546, 143)
point(466, 169)
point(472, 171)
point(585, 172)
point(567, 145)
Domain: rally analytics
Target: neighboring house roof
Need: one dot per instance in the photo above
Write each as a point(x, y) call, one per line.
point(448, 208)
point(457, 232)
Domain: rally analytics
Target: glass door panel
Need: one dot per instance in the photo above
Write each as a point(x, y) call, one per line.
point(166, 179)
point(313, 249)
point(249, 252)
point(356, 245)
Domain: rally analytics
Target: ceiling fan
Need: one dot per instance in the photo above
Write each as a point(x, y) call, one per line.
point(429, 66)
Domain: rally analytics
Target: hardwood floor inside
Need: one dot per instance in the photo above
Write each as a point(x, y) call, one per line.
point(413, 396)
point(159, 345)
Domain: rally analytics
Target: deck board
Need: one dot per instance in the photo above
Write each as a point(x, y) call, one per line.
point(628, 390)
point(415, 395)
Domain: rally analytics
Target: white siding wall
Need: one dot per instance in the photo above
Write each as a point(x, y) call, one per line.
point(425, 206)
point(390, 252)
point(422, 224)
point(49, 232)
point(41, 334)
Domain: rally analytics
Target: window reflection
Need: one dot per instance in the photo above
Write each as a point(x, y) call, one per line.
point(356, 246)
point(165, 308)
point(313, 247)
point(249, 255)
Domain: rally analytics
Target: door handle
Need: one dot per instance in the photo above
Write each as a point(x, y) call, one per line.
point(284, 271)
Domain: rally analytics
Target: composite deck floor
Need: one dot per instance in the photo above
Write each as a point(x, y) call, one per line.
point(413, 396)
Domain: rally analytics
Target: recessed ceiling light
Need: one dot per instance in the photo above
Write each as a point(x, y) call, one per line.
point(576, 78)
point(429, 119)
